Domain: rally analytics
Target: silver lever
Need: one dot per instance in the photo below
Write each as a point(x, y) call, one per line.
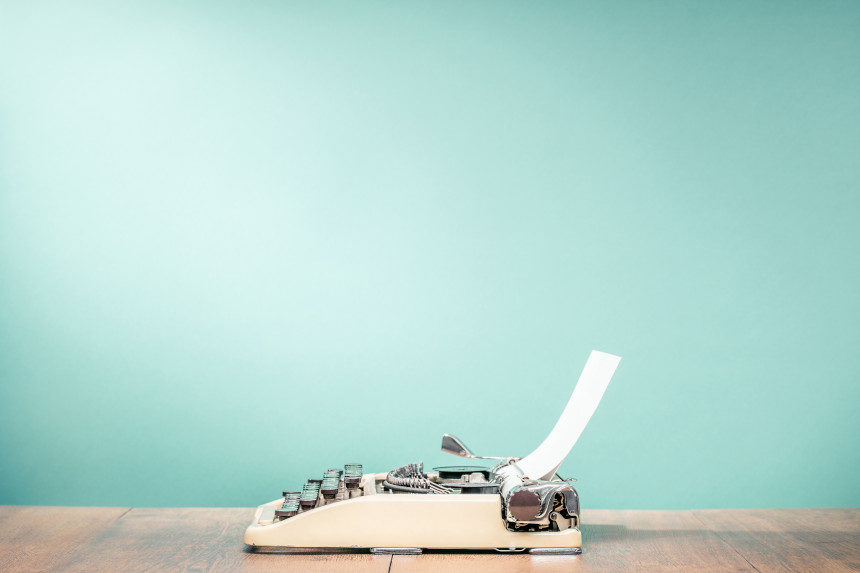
point(454, 445)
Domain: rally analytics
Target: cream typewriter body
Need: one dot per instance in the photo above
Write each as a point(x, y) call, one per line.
point(519, 504)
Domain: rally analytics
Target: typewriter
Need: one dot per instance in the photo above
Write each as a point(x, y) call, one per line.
point(518, 504)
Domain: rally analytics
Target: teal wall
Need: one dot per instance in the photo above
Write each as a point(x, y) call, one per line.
point(244, 242)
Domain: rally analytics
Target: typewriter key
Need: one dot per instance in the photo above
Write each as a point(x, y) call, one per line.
point(329, 487)
point(352, 475)
point(310, 494)
point(290, 506)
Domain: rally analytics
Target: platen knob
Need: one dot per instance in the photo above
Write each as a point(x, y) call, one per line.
point(524, 505)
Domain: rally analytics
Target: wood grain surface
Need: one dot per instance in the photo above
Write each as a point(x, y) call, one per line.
point(790, 539)
point(37, 538)
point(210, 539)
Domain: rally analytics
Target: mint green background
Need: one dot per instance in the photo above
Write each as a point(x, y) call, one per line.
point(243, 242)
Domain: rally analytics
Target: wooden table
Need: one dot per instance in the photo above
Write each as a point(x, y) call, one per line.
point(126, 539)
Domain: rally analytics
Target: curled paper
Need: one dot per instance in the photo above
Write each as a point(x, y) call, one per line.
point(546, 459)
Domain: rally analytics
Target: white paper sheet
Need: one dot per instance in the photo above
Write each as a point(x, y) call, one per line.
point(546, 459)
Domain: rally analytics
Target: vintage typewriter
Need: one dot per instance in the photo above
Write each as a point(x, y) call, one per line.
point(519, 504)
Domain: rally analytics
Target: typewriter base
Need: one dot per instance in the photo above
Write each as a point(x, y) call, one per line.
point(532, 551)
point(418, 521)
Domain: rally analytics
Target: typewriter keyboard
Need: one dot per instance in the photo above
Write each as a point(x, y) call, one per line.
point(334, 485)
